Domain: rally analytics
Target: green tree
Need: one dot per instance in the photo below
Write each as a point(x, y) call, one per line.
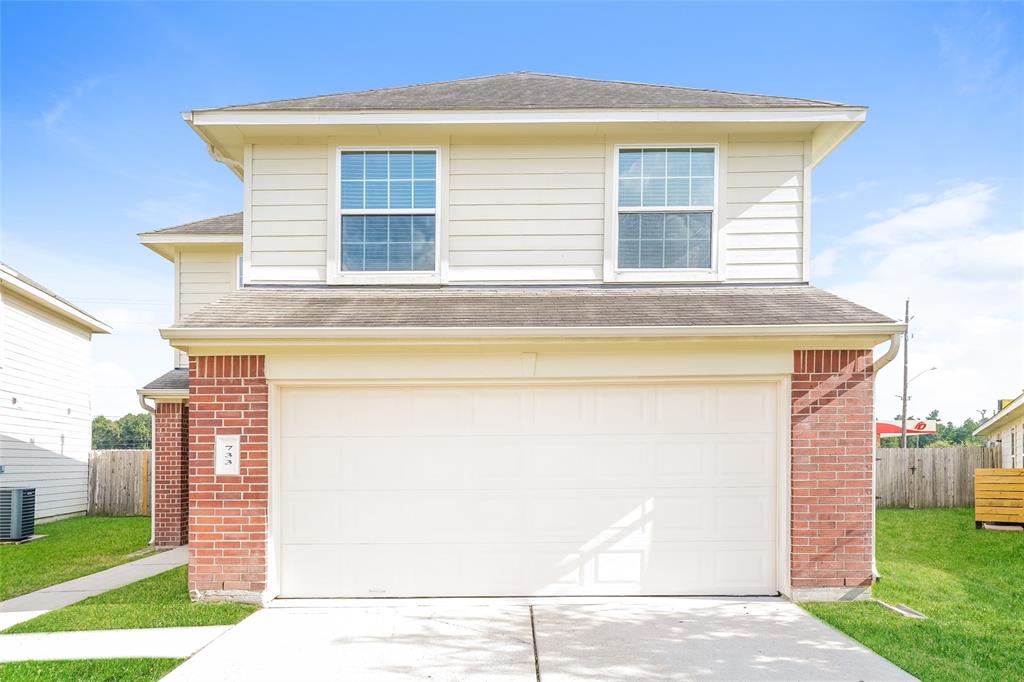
point(104, 434)
point(130, 432)
point(134, 430)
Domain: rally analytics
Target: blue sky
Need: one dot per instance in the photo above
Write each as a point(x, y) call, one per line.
point(925, 200)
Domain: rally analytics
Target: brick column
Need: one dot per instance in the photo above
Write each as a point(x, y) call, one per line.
point(227, 514)
point(832, 469)
point(170, 475)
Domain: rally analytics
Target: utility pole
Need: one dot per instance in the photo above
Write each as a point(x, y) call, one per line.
point(906, 382)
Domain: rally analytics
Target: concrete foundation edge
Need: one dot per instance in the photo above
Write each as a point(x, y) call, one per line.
point(807, 594)
point(240, 596)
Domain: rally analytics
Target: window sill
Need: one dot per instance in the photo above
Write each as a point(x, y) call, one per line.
point(377, 278)
point(660, 276)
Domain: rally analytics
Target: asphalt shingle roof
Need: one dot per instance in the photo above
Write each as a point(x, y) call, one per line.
point(618, 306)
point(176, 379)
point(222, 224)
point(526, 90)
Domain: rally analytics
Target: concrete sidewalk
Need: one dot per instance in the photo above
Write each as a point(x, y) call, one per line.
point(28, 606)
point(148, 643)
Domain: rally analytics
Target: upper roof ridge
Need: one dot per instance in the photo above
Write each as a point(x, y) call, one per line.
point(531, 90)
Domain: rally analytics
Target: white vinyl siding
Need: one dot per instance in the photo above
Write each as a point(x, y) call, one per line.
point(526, 212)
point(287, 202)
point(531, 208)
point(764, 211)
point(45, 412)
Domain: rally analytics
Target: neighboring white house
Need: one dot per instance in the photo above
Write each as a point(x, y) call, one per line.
point(45, 411)
point(1006, 430)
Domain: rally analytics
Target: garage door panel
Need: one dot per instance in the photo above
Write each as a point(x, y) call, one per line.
point(476, 491)
point(588, 519)
point(676, 460)
point(542, 569)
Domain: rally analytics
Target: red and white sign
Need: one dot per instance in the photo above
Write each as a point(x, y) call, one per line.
point(915, 427)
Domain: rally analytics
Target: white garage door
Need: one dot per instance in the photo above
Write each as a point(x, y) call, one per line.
point(528, 490)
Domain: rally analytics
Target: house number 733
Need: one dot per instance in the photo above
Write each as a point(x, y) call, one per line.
point(226, 456)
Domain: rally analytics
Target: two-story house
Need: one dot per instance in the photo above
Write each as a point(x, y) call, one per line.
point(516, 335)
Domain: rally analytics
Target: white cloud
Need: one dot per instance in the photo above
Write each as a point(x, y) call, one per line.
point(975, 47)
point(859, 188)
point(964, 274)
point(55, 113)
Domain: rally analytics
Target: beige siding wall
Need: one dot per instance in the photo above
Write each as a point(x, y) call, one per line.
point(762, 211)
point(526, 211)
point(529, 208)
point(287, 226)
point(45, 411)
point(203, 275)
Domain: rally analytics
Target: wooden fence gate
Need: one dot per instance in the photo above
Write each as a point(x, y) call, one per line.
point(929, 477)
point(119, 482)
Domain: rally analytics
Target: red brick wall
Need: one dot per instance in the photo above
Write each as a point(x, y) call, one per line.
point(832, 467)
point(170, 475)
point(227, 514)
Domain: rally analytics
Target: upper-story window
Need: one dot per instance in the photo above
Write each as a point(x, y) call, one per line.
point(388, 211)
point(666, 204)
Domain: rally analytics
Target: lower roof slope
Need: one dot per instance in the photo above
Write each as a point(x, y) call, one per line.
point(267, 307)
point(175, 380)
point(230, 223)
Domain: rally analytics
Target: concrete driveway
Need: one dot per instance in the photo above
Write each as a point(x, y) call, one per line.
point(552, 640)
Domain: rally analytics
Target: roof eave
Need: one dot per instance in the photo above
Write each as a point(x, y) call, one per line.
point(162, 393)
point(1000, 417)
point(232, 117)
point(165, 244)
point(206, 334)
point(213, 149)
point(54, 304)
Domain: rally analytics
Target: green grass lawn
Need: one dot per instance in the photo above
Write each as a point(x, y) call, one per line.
point(72, 548)
point(158, 602)
point(106, 670)
point(970, 584)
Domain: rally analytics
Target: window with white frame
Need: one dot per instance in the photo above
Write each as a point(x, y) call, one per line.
point(666, 203)
point(388, 210)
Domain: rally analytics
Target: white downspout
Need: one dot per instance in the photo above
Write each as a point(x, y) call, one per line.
point(152, 467)
point(887, 357)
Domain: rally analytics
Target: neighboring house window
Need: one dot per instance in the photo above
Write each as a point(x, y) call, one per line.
point(1013, 448)
point(388, 211)
point(666, 203)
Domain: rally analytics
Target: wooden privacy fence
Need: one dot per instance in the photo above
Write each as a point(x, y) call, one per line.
point(119, 482)
point(929, 477)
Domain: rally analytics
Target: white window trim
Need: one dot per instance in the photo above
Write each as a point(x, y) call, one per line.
point(612, 272)
point(335, 275)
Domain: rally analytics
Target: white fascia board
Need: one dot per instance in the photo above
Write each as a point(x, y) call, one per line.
point(197, 119)
point(163, 394)
point(1000, 416)
point(148, 238)
point(165, 244)
point(178, 334)
point(51, 302)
